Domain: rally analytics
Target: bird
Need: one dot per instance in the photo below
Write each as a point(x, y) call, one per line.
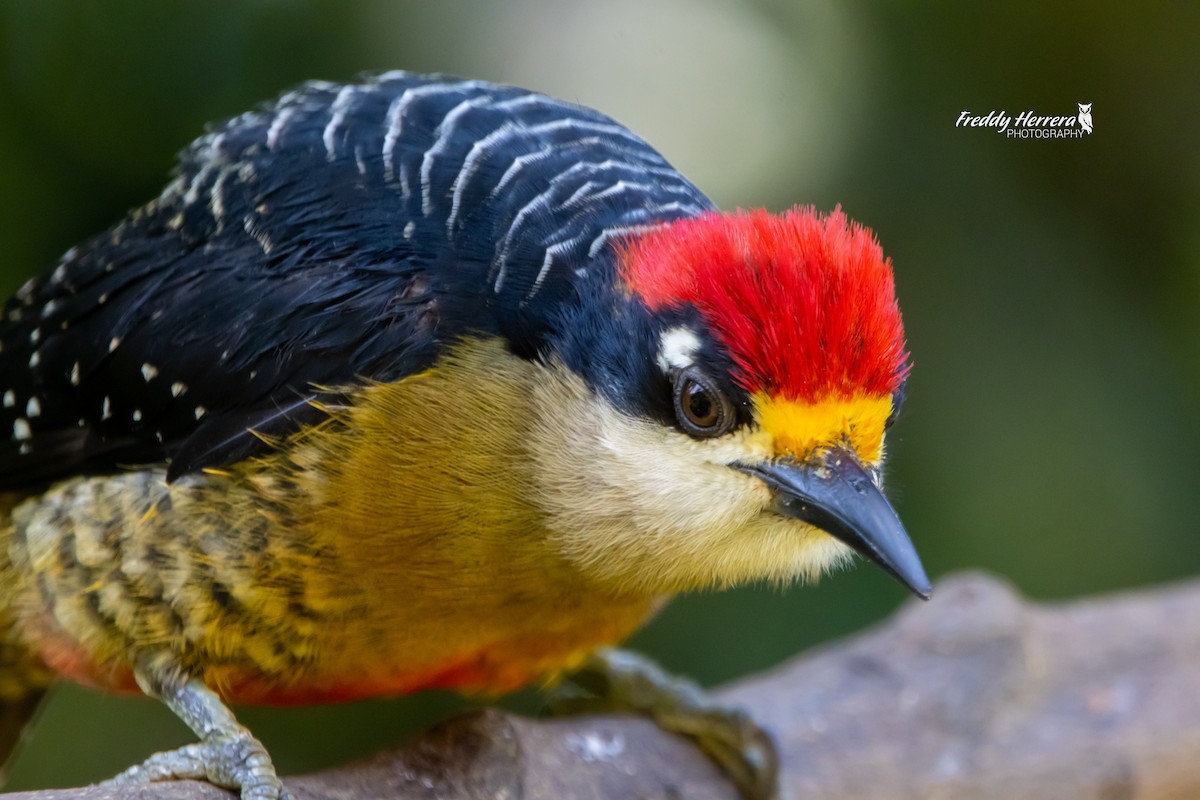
point(423, 382)
point(1085, 116)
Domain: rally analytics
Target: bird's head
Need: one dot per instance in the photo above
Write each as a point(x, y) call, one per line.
point(732, 419)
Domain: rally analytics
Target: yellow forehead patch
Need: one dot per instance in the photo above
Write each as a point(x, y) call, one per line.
point(797, 427)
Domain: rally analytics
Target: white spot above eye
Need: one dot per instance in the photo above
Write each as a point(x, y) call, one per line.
point(137, 415)
point(149, 371)
point(677, 348)
point(200, 411)
point(75, 374)
point(178, 388)
point(114, 343)
point(10, 398)
point(33, 408)
point(102, 299)
point(21, 429)
point(106, 411)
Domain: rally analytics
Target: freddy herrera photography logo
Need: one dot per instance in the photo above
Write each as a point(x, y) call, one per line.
point(1030, 124)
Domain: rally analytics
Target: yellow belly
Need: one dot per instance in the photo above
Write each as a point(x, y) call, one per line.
point(365, 557)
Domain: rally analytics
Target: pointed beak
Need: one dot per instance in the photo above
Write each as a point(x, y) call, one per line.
point(833, 491)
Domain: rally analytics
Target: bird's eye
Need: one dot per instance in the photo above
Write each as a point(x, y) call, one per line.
point(702, 409)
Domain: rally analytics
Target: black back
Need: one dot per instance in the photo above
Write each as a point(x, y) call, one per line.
point(341, 234)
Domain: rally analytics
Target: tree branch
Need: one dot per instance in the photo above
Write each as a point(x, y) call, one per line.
point(976, 694)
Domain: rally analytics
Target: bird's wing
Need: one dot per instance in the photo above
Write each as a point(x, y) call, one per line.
point(341, 234)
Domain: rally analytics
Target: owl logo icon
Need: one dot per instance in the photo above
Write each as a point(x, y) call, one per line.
point(1085, 116)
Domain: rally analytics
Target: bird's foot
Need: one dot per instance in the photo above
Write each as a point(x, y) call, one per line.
point(237, 761)
point(227, 754)
point(618, 680)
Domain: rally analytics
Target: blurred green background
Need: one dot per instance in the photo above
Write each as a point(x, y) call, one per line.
point(1051, 288)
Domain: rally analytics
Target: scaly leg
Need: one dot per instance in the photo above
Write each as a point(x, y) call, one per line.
point(619, 680)
point(227, 754)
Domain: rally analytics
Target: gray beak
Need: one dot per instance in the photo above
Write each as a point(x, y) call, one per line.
point(834, 492)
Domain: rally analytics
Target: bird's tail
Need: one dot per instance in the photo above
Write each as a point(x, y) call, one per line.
point(24, 679)
point(14, 719)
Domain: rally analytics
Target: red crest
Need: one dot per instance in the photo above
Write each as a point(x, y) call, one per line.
point(804, 303)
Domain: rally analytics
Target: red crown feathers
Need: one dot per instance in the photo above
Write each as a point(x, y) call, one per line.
point(805, 304)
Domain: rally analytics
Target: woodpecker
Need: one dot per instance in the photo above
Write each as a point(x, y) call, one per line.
point(416, 383)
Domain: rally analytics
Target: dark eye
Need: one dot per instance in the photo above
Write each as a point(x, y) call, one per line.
point(702, 409)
